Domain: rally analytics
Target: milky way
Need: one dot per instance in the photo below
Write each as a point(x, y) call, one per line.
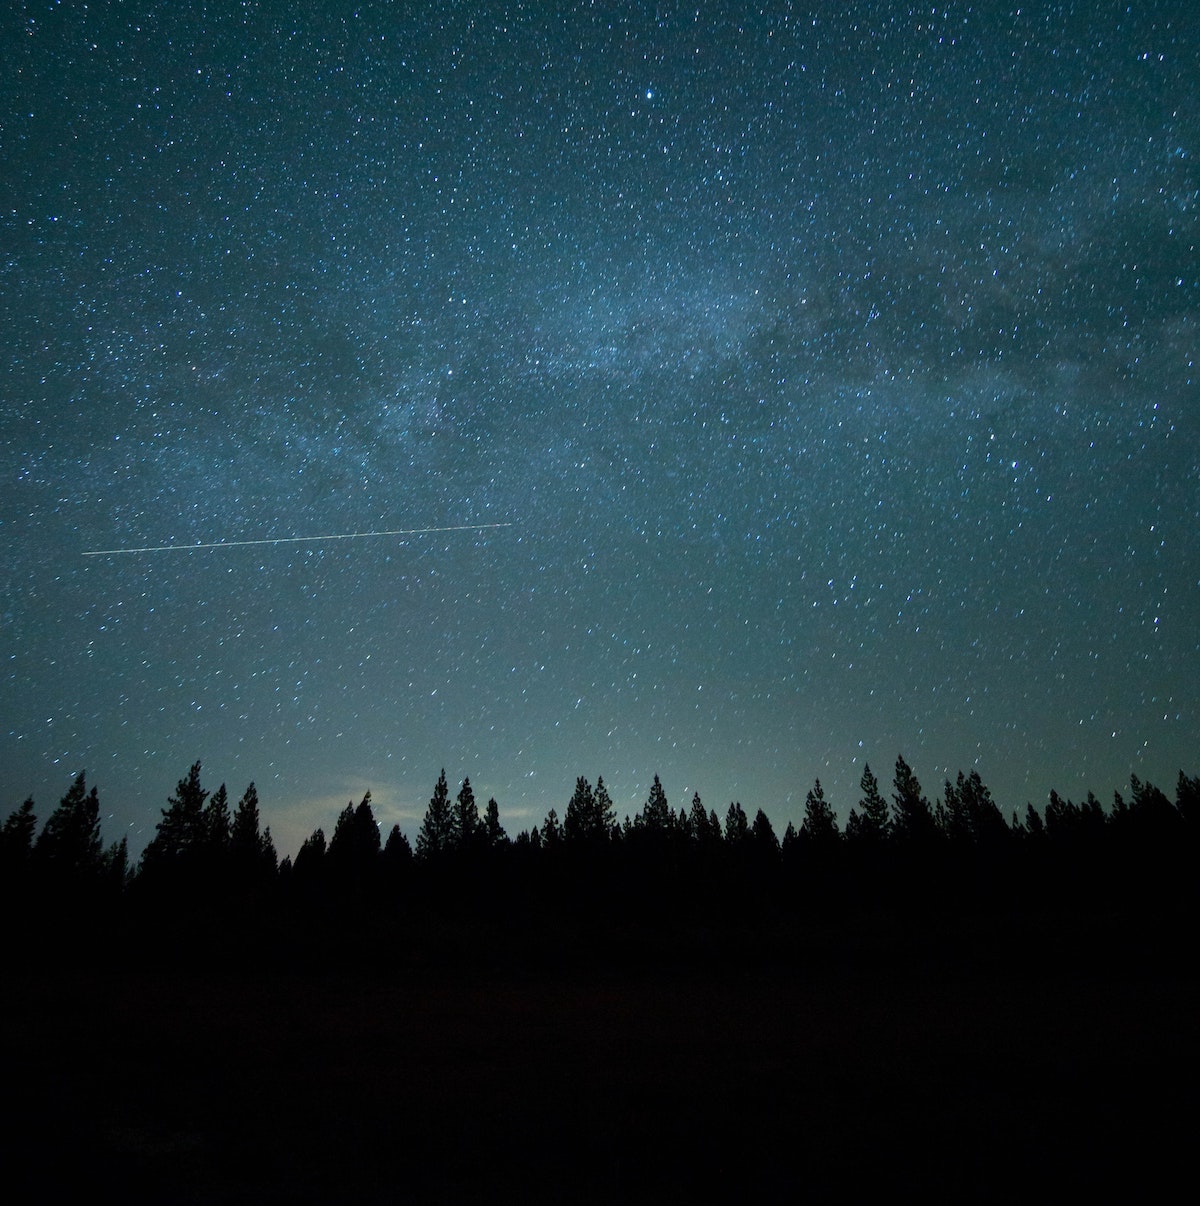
point(836, 373)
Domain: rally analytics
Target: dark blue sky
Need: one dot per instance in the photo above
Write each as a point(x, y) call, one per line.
point(835, 371)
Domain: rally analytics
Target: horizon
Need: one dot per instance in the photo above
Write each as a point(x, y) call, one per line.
point(288, 838)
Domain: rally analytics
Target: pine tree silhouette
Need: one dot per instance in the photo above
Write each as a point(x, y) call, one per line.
point(656, 816)
point(493, 832)
point(436, 835)
point(552, 834)
point(216, 822)
point(465, 826)
point(762, 840)
point(869, 823)
point(737, 825)
point(175, 853)
point(819, 829)
point(912, 819)
point(578, 825)
point(703, 827)
point(354, 846)
point(69, 844)
point(252, 856)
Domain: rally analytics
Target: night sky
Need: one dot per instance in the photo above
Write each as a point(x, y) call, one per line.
point(836, 373)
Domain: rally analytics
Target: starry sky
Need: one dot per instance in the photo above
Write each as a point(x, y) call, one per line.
point(833, 366)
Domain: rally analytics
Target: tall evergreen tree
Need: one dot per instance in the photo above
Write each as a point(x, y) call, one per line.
point(737, 826)
point(244, 836)
point(589, 818)
point(552, 834)
point(493, 832)
point(869, 823)
point(605, 813)
point(114, 867)
point(656, 815)
point(252, 853)
point(465, 827)
point(70, 840)
point(179, 837)
point(968, 815)
point(985, 821)
point(703, 827)
point(215, 820)
point(579, 823)
point(354, 847)
point(435, 837)
point(913, 818)
point(819, 829)
point(761, 838)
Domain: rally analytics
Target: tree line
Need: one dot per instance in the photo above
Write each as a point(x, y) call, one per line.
point(890, 852)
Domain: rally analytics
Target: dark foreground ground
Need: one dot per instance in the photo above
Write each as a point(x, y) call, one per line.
point(964, 1069)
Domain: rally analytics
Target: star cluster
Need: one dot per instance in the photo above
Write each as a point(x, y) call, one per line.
point(835, 370)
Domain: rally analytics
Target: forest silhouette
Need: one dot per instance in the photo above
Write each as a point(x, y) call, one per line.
point(955, 852)
point(932, 998)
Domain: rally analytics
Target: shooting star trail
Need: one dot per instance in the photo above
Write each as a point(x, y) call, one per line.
point(234, 544)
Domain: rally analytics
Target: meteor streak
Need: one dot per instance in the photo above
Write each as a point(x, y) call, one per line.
point(233, 544)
